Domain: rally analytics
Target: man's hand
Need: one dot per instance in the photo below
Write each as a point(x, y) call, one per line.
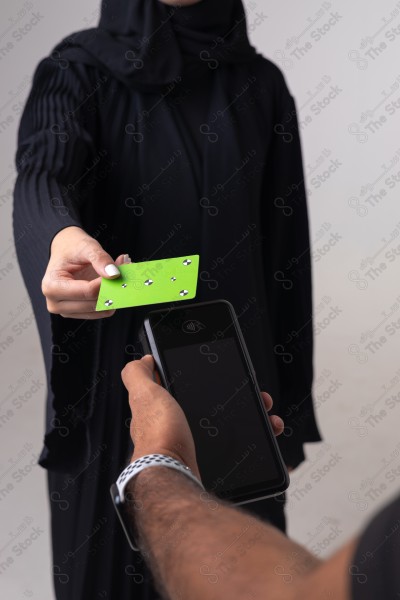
point(158, 424)
point(72, 280)
point(193, 546)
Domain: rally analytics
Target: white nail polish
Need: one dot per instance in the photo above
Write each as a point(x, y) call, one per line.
point(112, 270)
point(127, 259)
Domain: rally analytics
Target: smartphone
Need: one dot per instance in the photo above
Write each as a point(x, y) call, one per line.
point(202, 360)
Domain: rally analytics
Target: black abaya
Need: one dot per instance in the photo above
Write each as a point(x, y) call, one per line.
point(188, 157)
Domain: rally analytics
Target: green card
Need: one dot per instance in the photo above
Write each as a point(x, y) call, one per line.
point(150, 282)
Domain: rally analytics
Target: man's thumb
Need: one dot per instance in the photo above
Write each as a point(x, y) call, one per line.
point(149, 360)
point(102, 262)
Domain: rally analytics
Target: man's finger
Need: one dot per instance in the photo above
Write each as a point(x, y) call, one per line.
point(277, 424)
point(139, 371)
point(276, 421)
point(147, 360)
point(267, 400)
point(154, 373)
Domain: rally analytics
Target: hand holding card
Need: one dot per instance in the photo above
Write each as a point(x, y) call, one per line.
point(150, 282)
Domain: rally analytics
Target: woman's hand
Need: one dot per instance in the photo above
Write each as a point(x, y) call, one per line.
point(72, 280)
point(158, 424)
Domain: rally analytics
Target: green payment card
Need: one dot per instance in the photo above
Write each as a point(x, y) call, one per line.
point(150, 282)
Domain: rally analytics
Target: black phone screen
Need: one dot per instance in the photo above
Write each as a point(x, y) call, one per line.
point(213, 385)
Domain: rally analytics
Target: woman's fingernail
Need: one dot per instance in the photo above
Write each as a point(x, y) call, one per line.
point(112, 270)
point(127, 259)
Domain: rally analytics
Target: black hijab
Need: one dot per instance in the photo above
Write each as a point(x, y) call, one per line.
point(146, 44)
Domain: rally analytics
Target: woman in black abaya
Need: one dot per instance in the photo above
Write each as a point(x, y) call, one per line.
point(159, 133)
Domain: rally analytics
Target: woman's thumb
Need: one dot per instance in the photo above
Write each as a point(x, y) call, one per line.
point(101, 261)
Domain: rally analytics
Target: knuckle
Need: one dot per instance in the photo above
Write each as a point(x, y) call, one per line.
point(94, 251)
point(92, 289)
point(51, 307)
point(44, 286)
point(86, 291)
point(129, 367)
point(88, 247)
point(53, 283)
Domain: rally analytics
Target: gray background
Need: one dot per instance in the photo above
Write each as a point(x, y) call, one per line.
point(355, 225)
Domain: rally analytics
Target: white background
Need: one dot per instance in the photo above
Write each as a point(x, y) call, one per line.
point(345, 78)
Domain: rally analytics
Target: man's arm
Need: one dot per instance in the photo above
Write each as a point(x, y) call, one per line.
point(201, 548)
point(198, 547)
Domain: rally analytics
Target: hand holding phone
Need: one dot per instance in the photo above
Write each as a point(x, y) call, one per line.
point(203, 362)
point(149, 404)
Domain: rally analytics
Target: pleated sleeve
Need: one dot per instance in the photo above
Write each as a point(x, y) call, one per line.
point(55, 144)
point(288, 274)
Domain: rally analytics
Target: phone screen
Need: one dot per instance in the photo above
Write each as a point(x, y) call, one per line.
point(212, 384)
